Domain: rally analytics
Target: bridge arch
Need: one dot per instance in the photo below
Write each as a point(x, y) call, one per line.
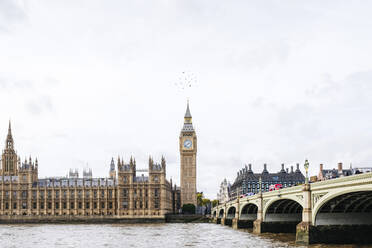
point(231, 212)
point(249, 212)
point(348, 207)
point(221, 213)
point(215, 213)
point(283, 210)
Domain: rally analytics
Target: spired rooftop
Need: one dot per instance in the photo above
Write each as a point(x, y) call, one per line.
point(23, 196)
point(248, 182)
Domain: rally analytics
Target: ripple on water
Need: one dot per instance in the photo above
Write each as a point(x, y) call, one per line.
point(142, 235)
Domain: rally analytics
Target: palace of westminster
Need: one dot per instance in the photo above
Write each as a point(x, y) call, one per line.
point(122, 195)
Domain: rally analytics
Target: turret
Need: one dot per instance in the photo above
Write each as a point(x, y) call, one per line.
point(265, 170)
point(9, 157)
point(163, 163)
point(126, 172)
point(151, 162)
point(87, 173)
point(250, 169)
point(282, 170)
point(73, 174)
point(112, 169)
point(298, 168)
point(28, 171)
point(9, 144)
point(132, 163)
point(119, 163)
point(157, 171)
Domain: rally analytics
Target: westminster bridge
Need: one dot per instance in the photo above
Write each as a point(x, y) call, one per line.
point(332, 211)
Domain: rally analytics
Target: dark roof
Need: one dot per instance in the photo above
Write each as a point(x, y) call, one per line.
point(73, 182)
point(25, 166)
point(187, 127)
point(334, 173)
point(188, 113)
point(282, 176)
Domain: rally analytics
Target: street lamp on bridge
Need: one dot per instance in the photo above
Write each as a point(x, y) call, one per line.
point(306, 165)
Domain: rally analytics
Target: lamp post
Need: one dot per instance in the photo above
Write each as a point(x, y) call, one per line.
point(306, 165)
point(260, 182)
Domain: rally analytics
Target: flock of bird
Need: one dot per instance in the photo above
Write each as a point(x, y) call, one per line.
point(186, 80)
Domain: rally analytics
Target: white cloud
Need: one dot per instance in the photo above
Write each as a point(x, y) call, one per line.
point(11, 13)
point(277, 81)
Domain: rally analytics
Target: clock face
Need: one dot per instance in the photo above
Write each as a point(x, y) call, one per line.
point(187, 143)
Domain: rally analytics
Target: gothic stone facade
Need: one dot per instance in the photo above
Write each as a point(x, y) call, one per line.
point(122, 195)
point(188, 149)
point(224, 194)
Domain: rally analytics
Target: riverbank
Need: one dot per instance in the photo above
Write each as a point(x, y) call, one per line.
point(186, 218)
point(171, 218)
point(76, 219)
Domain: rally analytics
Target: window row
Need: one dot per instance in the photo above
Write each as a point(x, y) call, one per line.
point(57, 194)
point(57, 205)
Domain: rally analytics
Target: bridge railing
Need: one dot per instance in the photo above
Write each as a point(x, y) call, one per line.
point(367, 177)
point(267, 193)
point(364, 176)
point(283, 190)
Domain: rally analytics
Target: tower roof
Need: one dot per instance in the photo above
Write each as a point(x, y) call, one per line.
point(112, 165)
point(187, 125)
point(9, 138)
point(10, 130)
point(188, 113)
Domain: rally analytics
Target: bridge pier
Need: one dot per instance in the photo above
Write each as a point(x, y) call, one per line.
point(241, 224)
point(274, 227)
point(257, 224)
point(228, 222)
point(336, 211)
point(223, 221)
point(335, 234)
point(235, 223)
point(214, 220)
point(303, 233)
point(304, 228)
point(235, 220)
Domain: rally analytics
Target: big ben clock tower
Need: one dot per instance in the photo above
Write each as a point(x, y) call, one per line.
point(188, 148)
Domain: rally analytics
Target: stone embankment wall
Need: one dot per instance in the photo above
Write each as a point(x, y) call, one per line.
point(176, 218)
point(184, 218)
point(76, 219)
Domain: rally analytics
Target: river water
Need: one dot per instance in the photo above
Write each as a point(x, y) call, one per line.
point(139, 235)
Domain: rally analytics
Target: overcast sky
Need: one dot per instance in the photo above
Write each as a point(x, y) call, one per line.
point(275, 82)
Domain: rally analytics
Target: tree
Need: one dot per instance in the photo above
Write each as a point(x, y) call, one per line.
point(215, 203)
point(205, 201)
point(199, 198)
point(188, 209)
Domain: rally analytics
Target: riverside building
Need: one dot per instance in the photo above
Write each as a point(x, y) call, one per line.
point(224, 193)
point(248, 182)
point(326, 174)
point(123, 194)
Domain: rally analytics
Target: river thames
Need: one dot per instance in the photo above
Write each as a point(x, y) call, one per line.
point(141, 235)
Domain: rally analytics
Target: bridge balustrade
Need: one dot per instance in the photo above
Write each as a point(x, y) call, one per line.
point(333, 211)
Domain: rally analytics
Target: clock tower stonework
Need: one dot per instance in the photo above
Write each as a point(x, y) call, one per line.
point(188, 149)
